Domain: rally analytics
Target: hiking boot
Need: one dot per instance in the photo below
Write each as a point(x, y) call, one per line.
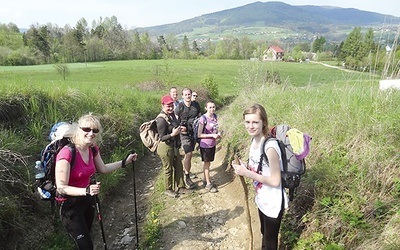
point(183, 190)
point(211, 188)
point(192, 176)
point(189, 183)
point(170, 193)
point(204, 184)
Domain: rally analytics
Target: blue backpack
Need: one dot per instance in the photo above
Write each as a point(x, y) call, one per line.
point(59, 137)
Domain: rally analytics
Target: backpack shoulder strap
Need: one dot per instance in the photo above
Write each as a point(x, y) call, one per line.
point(264, 156)
point(181, 107)
point(204, 119)
point(283, 156)
point(72, 148)
point(163, 115)
point(203, 116)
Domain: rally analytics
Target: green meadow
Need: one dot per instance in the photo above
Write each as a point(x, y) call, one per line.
point(168, 72)
point(348, 198)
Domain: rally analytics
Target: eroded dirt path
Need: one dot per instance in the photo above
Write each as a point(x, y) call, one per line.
point(200, 220)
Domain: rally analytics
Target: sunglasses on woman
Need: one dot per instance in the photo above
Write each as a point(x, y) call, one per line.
point(87, 129)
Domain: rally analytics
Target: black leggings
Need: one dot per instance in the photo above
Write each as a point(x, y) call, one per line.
point(77, 214)
point(270, 230)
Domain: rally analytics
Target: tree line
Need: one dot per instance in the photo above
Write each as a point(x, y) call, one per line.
point(106, 39)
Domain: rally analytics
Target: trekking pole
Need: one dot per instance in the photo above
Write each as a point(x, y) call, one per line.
point(96, 197)
point(246, 200)
point(101, 221)
point(134, 198)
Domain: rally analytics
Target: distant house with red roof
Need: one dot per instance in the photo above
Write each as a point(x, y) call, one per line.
point(273, 53)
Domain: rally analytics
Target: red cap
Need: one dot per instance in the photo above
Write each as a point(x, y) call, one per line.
point(167, 99)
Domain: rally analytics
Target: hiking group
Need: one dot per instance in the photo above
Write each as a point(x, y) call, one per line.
point(276, 157)
point(73, 157)
point(176, 132)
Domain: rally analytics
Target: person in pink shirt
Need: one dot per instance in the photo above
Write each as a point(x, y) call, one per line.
point(75, 192)
point(208, 134)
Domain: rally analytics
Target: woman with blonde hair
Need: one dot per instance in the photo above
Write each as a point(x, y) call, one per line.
point(75, 165)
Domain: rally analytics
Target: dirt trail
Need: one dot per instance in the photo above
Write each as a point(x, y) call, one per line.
point(200, 220)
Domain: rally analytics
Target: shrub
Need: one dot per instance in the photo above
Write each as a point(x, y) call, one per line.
point(211, 85)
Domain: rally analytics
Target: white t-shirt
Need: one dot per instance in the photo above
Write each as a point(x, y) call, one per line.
point(268, 199)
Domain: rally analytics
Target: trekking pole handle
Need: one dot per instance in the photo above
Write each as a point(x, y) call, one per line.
point(124, 160)
point(93, 190)
point(92, 179)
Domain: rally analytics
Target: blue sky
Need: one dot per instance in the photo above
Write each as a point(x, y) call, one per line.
point(139, 13)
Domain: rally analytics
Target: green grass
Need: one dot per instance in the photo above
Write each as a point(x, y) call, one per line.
point(125, 74)
point(352, 182)
point(128, 74)
point(350, 190)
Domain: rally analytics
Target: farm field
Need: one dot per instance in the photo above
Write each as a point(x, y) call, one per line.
point(190, 73)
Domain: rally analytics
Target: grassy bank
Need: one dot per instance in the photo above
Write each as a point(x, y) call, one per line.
point(348, 196)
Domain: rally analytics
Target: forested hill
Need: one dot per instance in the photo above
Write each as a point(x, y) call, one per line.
point(277, 14)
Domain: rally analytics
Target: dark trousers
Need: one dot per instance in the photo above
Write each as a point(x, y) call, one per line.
point(77, 214)
point(270, 230)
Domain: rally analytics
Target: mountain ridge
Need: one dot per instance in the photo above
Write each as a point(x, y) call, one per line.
point(310, 19)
